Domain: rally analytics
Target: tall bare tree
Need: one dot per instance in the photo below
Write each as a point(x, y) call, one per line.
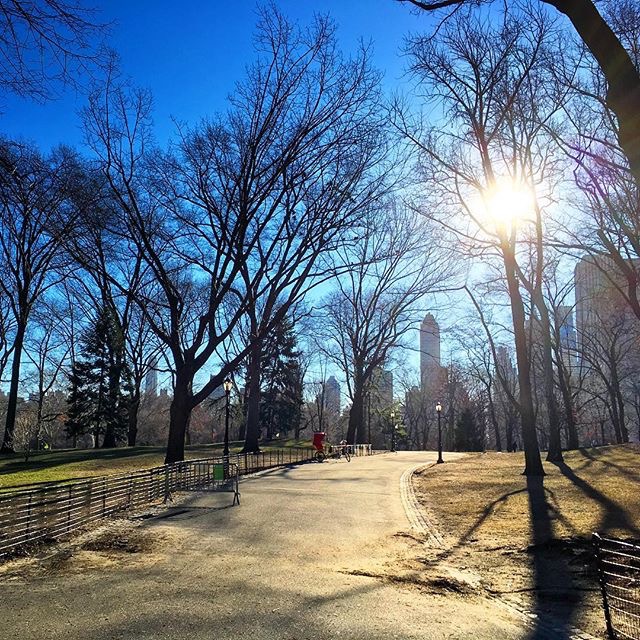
point(396, 264)
point(34, 218)
point(237, 221)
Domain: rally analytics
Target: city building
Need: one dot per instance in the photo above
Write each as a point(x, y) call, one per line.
point(151, 379)
point(608, 344)
point(430, 370)
point(568, 341)
point(332, 397)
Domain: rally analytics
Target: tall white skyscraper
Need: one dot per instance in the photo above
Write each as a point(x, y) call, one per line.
point(332, 397)
point(429, 352)
point(151, 379)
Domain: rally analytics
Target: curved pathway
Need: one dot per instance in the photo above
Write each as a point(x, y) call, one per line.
point(309, 554)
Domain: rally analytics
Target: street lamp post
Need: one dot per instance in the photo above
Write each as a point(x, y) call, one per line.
point(228, 385)
point(393, 431)
point(439, 411)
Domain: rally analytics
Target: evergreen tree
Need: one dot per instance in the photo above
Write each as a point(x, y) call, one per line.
point(96, 402)
point(468, 433)
point(281, 398)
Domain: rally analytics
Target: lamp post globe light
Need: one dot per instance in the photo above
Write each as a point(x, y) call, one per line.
point(227, 385)
point(439, 412)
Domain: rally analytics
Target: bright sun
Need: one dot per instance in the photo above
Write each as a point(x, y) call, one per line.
point(508, 203)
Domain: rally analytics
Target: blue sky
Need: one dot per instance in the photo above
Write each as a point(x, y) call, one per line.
point(191, 54)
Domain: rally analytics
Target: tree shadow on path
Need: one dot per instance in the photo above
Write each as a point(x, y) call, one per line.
point(552, 579)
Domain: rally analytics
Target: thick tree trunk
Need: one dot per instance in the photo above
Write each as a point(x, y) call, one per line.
point(623, 80)
point(12, 401)
point(573, 442)
point(252, 434)
point(179, 416)
point(533, 463)
point(509, 434)
point(109, 440)
point(356, 432)
point(132, 417)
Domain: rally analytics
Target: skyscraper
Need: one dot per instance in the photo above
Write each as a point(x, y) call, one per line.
point(564, 318)
point(599, 301)
point(332, 397)
point(151, 379)
point(429, 352)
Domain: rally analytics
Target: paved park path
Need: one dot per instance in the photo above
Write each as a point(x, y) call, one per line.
point(309, 554)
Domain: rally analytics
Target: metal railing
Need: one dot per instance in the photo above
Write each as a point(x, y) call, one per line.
point(618, 565)
point(48, 512)
point(361, 450)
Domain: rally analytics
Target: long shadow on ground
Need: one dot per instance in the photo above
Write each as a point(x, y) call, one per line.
point(552, 579)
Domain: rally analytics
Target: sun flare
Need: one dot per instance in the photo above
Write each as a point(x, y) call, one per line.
point(508, 203)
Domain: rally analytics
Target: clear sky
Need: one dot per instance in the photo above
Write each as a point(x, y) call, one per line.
point(190, 54)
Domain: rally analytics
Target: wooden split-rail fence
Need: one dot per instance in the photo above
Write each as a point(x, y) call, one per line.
point(44, 513)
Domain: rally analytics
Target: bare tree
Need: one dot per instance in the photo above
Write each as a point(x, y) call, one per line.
point(45, 43)
point(34, 218)
point(236, 222)
point(614, 60)
point(397, 263)
point(492, 83)
point(47, 352)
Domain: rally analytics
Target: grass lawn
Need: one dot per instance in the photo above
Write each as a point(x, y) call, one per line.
point(528, 539)
point(67, 464)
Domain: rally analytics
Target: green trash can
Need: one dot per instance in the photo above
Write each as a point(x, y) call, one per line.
point(218, 472)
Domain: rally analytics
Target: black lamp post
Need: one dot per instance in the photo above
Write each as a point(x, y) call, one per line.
point(228, 385)
point(439, 411)
point(393, 431)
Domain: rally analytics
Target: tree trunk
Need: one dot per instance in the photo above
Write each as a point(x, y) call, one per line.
point(554, 454)
point(573, 442)
point(494, 421)
point(356, 433)
point(179, 416)
point(533, 463)
point(12, 401)
point(109, 440)
point(623, 80)
point(132, 417)
point(252, 434)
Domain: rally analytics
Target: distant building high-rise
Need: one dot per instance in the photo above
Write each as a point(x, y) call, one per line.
point(218, 393)
point(151, 379)
point(430, 370)
point(381, 390)
point(599, 301)
point(385, 388)
point(332, 396)
point(590, 286)
point(568, 344)
point(505, 364)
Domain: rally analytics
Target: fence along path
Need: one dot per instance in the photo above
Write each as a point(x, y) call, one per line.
point(48, 512)
point(619, 576)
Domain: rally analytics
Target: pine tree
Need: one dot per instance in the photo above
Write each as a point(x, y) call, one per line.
point(96, 403)
point(281, 398)
point(468, 434)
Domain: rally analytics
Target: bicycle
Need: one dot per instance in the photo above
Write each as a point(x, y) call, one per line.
point(335, 451)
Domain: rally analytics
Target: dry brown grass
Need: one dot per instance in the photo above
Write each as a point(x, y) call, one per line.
point(529, 542)
point(485, 495)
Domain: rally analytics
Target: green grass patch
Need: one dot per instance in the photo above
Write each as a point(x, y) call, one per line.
point(75, 464)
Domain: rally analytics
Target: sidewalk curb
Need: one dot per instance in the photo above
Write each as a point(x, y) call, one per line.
point(416, 516)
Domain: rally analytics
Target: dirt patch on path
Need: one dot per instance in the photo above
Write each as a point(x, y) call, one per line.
point(118, 543)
